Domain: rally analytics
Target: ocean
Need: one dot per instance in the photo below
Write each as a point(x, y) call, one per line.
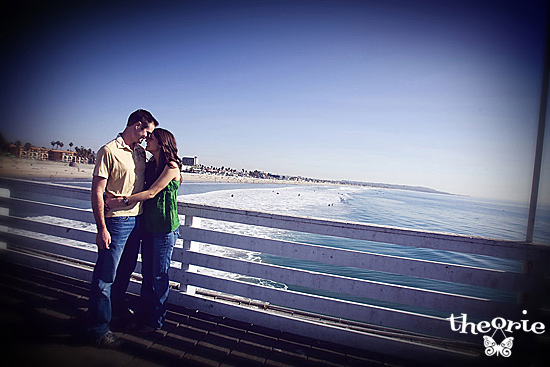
point(389, 207)
point(380, 206)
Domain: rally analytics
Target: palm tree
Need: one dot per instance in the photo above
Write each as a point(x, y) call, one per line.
point(71, 144)
point(52, 143)
point(58, 143)
point(4, 144)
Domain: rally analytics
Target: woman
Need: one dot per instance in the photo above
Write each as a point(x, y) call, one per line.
point(162, 180)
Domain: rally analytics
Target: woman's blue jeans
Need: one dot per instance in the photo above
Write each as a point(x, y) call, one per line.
point(156, 254)
point(118, 262)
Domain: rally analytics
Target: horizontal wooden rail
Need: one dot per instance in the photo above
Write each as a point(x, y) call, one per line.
point(54, 210)
point(350, 286)
point(482, 277)
point(58, 230)
point(46, 188)
point(49, 246)
point(374, 233)
point(323, 306)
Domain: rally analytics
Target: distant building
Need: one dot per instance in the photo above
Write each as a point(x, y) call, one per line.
point(61, 155)
point(43, 154)
point(189, 161)
point(29, 152)
point(65, 156)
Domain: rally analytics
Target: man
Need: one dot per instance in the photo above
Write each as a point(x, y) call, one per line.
point(119, 171)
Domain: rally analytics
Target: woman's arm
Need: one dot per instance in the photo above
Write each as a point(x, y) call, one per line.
point(168, 174)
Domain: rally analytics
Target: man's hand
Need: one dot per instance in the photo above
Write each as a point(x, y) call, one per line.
point(103, 239)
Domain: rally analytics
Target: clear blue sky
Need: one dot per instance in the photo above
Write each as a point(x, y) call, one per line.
point(443, 94)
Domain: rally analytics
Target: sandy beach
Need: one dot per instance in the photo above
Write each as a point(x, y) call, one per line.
point(29, 169)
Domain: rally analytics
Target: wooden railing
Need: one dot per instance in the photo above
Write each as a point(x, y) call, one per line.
point(401, 318)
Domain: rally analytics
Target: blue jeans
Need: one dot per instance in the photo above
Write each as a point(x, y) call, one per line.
point(156, 254)
point(119, 261)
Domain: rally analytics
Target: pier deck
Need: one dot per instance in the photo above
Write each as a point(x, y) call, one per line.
point(43, 317)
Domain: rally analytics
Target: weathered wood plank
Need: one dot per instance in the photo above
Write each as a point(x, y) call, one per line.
point(67, 191)
point(496, 279)
point(374, 233)
point(355, 287)
point(325, 306)
point(49, 246)
point(48, 209)
point(30, 224)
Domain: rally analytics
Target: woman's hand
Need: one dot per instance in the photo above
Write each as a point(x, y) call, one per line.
point(112, 203)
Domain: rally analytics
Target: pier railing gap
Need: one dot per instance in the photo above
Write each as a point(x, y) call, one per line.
point(407, 319)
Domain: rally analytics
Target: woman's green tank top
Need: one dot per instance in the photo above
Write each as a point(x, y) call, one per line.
point(161, 212)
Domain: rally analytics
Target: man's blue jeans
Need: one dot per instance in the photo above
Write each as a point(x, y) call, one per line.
point(118, 261)
point(156, 254)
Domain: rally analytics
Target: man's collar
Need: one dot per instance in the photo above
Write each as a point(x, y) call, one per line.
point(121, 143)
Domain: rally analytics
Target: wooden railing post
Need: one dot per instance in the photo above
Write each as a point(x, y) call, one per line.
point(4, 211)
point(185, 265)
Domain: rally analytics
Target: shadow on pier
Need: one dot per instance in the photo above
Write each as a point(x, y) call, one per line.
point(43, 318)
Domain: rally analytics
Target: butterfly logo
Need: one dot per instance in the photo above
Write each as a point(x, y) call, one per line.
point(504, 348)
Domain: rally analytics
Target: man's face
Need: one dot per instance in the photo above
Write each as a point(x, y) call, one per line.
point(143, 130)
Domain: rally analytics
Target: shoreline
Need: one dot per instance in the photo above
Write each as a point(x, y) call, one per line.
point(23, 168)
point(52, 170)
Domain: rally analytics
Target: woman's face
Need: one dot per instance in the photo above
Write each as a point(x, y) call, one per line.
point(152, 143)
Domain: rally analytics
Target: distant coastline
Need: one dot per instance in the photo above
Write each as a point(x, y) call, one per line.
point(37, 169)
point(396, 187)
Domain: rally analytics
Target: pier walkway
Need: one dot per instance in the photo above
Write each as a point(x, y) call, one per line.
point(43, 316)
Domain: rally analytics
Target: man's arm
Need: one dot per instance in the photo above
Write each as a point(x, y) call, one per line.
point(103, 238)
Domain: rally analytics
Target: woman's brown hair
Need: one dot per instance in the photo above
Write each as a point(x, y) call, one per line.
point(168, 147)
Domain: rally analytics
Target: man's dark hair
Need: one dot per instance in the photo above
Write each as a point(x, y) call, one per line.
point(143, 116)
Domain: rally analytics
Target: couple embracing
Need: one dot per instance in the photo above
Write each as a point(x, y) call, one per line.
point(135, 205)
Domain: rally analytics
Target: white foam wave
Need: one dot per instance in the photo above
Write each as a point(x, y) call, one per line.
point(313, 201)
point(294, 200)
